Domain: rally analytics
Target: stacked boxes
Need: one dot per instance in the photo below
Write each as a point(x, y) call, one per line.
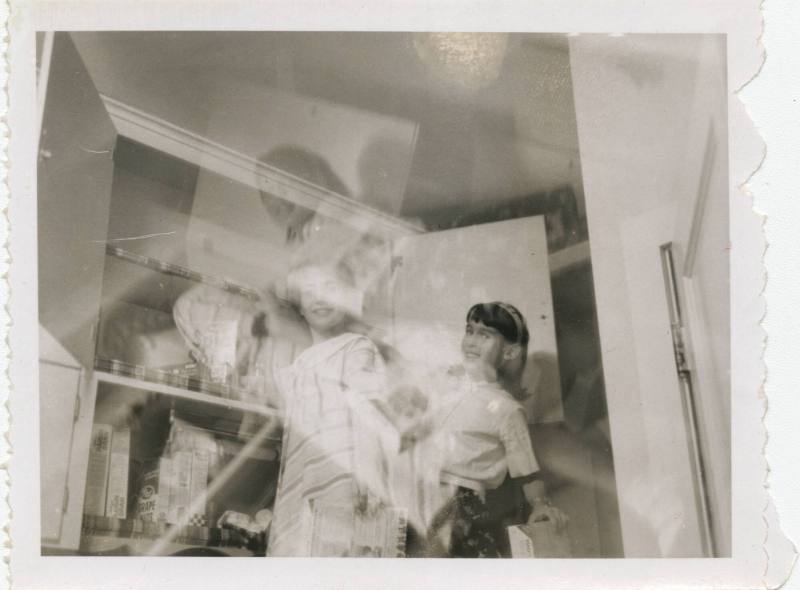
point(173, 488)
point(157, 490)
point(199, 484)
point(94, 502)
point(108, 472)
point(119, 465)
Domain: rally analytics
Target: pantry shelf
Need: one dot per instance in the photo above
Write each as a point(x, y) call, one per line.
point(195, 396)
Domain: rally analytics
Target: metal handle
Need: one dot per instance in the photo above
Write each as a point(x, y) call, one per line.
point(689, 403)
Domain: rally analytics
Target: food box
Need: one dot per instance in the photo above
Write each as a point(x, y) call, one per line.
point(539, 539)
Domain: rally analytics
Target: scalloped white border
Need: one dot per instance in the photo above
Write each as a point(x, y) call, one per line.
point(773, 101)
point(740, 19)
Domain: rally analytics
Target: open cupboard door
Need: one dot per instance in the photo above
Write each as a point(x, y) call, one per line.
point(75, 170)
point(696, 271)
point(657, 209)
point(75, 173)
point(439, 275)
point(688, 297)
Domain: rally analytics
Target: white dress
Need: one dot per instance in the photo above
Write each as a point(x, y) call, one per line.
point(333, 449)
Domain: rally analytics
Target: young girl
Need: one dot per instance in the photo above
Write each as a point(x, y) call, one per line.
point(482, 435)
point(334, 430)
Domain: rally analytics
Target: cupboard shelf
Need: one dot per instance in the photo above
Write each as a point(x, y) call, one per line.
point(187, 394)
point(176, 270)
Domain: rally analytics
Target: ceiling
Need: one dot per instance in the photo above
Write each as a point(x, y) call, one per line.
point(494, 113)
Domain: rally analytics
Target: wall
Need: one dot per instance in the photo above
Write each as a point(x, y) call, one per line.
point(634, 99)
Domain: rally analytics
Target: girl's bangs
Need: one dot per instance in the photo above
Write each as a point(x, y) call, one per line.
point(481, 312)
point(493, 316)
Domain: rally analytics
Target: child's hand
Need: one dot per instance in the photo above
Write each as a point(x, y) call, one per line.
point(408, 402)
point(543, 512)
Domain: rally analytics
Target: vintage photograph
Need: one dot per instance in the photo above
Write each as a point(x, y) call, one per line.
point(383, 294)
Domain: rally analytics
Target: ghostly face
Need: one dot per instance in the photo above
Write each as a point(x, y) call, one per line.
point(484, 349)
point(323, 299)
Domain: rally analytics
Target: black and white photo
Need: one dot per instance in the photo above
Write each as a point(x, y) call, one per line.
point(441, 295)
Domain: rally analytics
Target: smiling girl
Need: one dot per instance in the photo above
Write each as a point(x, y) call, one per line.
point(483, 435)
point(333, 440)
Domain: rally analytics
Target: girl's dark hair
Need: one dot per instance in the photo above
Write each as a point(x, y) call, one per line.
point(500, 316)
point(307, 165)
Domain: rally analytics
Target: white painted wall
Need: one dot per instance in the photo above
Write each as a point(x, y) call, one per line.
point(636, 113)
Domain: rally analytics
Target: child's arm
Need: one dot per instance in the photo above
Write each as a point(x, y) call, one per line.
point(365, 373)
point(396, 406)
point(524, 468)
point(375, 435)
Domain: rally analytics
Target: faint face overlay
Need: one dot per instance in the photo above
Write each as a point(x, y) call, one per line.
point(483, 349)
point(325, 298)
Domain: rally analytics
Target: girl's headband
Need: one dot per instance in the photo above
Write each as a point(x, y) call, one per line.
point(519, 322)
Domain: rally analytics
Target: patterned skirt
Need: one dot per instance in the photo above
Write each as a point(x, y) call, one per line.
point(463, 528)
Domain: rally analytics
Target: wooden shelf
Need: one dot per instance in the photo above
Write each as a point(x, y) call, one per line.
point(176, 270)
point(196, 396)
